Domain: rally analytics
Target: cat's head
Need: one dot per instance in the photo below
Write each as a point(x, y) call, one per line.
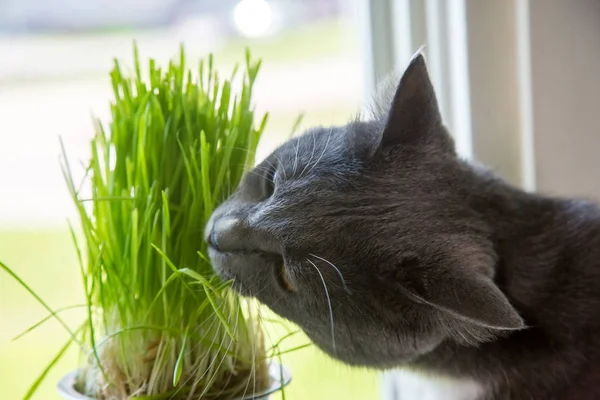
point(363, 236)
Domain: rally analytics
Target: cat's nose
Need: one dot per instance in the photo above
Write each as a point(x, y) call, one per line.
point(221, 232)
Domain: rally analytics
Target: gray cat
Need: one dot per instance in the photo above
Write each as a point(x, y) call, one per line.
point(390, 251)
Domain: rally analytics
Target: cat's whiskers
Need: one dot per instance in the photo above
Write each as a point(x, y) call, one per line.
point(259, 171)
point(272, 165)
point(201, 363)
point(323, 152)
point(297, 148)
point(282, 166)
point(328, 303)
point(264, 288)
point(336, 270)
point(238, 148)
point(262, 172)
point(311, 155)
point(253, 362)
point(228, 347)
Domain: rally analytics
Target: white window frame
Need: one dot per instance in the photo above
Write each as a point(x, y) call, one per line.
point(463, 42)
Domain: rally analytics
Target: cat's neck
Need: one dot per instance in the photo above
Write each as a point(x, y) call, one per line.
point(548, 266)
point(535, 237)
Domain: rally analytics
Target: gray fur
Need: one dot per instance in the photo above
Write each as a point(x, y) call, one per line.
point(390, 251)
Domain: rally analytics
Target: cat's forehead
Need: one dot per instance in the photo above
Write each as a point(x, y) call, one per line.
point(323, 144)
point(320, 137)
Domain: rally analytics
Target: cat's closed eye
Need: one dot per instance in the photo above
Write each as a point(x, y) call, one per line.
point(269, 182)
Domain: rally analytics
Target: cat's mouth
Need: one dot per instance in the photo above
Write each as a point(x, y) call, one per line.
point(252, 271)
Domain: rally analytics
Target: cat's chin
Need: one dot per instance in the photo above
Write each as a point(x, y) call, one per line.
point(360, 358)
point(363, 348)
point(250, 272)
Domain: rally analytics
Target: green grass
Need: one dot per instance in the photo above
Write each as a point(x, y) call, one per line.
point(158, 321)
point(46, 259)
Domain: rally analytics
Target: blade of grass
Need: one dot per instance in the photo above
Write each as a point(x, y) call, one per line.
point(36, 384)
point(41, 301)
point(45, 319)
point(179, 362)
point(173, 150)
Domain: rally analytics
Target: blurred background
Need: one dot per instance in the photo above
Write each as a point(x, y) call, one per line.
point(517, 81)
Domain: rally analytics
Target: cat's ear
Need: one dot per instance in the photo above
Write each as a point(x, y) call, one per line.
point(465, 295)
point(414, 117)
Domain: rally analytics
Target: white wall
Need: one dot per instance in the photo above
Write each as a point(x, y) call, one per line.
point(565, 55)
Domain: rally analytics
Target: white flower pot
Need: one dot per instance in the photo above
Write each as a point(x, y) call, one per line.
point(280, 377)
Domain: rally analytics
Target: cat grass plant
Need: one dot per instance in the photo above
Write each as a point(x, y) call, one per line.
point(160, 324)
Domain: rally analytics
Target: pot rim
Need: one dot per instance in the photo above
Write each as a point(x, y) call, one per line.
point(280, 377)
